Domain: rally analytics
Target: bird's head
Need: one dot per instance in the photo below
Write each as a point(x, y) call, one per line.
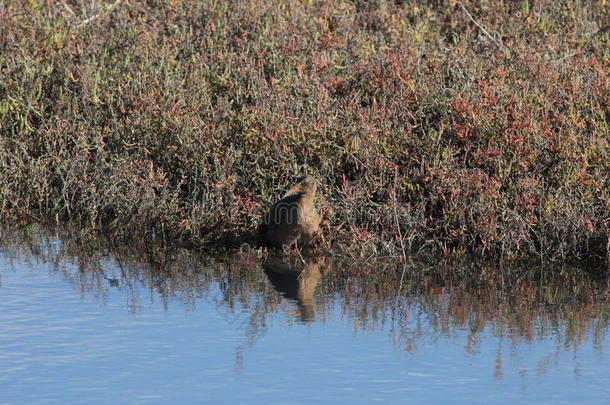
point(306, 186)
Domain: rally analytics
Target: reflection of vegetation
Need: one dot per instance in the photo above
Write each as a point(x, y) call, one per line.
point(519, 305)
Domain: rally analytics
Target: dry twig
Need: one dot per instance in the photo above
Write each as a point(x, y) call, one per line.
point(499, 45)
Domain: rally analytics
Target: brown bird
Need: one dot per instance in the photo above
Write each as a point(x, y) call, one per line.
point(294, 218)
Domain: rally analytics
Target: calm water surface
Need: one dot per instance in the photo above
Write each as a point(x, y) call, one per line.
point(92, 328)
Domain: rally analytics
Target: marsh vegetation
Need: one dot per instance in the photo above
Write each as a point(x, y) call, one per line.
point(437, 126)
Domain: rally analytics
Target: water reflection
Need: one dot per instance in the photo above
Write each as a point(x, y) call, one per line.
point(296, 277)
point(489, 315)
point(517, 303)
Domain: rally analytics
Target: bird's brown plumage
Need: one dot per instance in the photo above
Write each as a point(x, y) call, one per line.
point(294, 218)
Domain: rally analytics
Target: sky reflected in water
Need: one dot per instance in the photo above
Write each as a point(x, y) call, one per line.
point(82, 329)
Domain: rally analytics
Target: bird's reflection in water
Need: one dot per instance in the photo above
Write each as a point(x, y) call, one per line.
point(296, 278)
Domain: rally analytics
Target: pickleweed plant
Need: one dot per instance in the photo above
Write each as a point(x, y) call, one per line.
point(437, 126)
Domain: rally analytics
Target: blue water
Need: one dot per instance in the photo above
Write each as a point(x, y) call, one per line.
point(67, 336)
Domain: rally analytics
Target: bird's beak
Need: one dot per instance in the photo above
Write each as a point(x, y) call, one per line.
point(295, 190)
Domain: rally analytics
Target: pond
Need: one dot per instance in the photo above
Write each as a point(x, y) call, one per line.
point(102, 325)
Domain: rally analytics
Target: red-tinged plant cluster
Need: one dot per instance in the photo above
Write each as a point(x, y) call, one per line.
point(429, 127)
